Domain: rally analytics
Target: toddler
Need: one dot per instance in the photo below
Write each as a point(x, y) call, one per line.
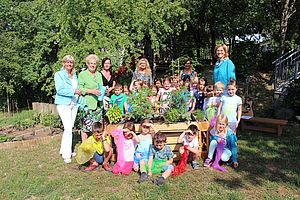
point(189, 138)
point(95, 150)
point(199, 94)
point(126, 141)
point(223, 142)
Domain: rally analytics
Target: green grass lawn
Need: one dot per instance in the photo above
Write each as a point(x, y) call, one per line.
point(269, 169)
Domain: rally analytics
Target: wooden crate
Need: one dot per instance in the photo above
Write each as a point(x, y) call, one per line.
point(174, 130)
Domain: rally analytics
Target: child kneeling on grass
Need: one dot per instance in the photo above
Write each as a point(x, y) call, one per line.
point(126, 141)
point(160, 160)
point(95, 150)
point(189, 138)
point(222, 142)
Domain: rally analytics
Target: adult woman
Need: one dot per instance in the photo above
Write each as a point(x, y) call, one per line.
point(66, 84)
point(108, 80)
point(89, 82)
point(187, 72)
point(107, 76)
point(224, 68)
point(143, 72)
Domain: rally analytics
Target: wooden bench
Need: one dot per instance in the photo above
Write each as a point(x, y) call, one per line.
point(264, 124)
point(174, 130)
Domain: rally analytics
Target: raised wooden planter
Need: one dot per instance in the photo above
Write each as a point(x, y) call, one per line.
point(174, 130)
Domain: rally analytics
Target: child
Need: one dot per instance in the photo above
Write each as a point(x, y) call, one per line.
point(145, 84)
point(200, 94)
point(158, 83)
point(126, 90)
point(189, 138)
point(153, 98)
point(141, 154)
point(222, 139)
point(135, 85)
point(119, 99)
point(161, 156)
point(163, 95)
point(213, 102)
point(96, 149)
point(209, 92)
point(126, 141)
point(231, 105)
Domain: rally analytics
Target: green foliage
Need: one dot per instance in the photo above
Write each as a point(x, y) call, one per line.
point(48, 119)
point(141, 107)
point(292, 99)
point(114, 114)
point(199, 114)
point(172, 115)
point(6, 138)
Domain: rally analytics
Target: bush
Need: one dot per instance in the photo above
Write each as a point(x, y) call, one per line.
point(48, 119)
point(292, 100)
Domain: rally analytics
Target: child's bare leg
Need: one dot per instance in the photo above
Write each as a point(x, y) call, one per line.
point(167, 173)
point(142, 166)
point(107, 156)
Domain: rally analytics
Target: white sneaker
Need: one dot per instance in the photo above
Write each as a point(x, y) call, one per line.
point(67, 160)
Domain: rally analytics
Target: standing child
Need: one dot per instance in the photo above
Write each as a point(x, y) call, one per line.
point(199, 94)
point(223, 140)
point(161, 158)
point(153, 98)
point(126, 90)
point(119, 99)
point(141, 155)
point(189, 138)
point(163, 95)
point(231, 105)
point(126, 141)
point(96, 149)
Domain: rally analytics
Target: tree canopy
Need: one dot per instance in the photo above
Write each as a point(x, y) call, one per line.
point(36, 34)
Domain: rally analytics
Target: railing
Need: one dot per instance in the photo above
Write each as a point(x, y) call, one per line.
point(286, 70)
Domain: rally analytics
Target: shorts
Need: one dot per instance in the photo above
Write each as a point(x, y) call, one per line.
point(99, 158)
point(143, 156)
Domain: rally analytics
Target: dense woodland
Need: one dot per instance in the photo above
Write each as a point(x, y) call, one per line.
point(36, 34)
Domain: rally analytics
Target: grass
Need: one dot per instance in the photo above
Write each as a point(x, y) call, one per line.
point(269, 169)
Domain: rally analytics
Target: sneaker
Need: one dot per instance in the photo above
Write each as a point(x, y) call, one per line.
point(107, 167)
point(195, 165)
point(207, 162)
point(67, 160)
point(160, 181)
point(144, 177)
point(90, 168)
point(73, 154)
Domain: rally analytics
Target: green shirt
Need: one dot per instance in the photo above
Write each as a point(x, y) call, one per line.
point(119, 100)
point(87, 81)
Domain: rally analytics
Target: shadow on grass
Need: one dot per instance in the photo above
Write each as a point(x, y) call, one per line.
point(266, 157)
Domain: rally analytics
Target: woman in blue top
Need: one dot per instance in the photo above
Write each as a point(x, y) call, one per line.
point(188, 73)
point(66, 84)
point(143, 72)
point(224, 68)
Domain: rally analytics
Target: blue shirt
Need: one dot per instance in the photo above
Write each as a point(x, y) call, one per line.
point(223, 71)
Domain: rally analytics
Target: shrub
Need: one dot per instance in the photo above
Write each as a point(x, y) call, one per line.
point(48, 119)
point(292, 100)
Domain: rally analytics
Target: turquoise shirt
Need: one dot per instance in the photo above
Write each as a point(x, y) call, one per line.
point(119, 100)
point(63, 86)
point(87, 81)
point(223, 71)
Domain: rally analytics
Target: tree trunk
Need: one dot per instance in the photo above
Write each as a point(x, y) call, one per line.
point(288, 10)
point(7, 101)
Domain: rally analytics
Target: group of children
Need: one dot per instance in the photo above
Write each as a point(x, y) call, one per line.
point(147, 152)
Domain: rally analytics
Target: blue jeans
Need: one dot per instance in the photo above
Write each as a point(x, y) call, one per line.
point(212, 148)
point(99, 158)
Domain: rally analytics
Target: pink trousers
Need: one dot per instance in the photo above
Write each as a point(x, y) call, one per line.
point(126, 169)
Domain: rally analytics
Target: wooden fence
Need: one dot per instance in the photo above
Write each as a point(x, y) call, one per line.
point(44, 107)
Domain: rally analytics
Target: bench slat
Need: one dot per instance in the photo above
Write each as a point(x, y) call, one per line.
point(267, 120)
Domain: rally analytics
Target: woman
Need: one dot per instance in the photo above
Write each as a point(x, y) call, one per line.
point(89, 82)
point(224, 68)
point(108, 80)
point(188, 73)
point(143, 72)
point(66, 84)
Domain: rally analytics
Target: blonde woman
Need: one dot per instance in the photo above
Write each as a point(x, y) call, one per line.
point(143, 72)
point(66, 84)
point(224, 68)
point(89, 82)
